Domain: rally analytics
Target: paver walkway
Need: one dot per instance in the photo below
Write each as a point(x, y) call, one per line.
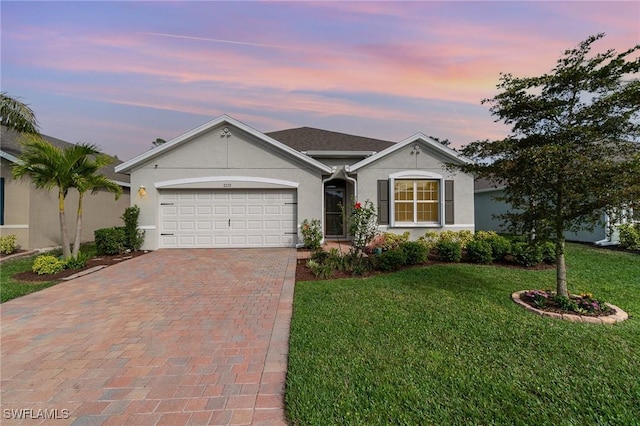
point(172, 337)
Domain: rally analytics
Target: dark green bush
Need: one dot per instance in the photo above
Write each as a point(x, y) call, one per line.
point(527, 254)
point(479, 251)
point(134, 236)
point(391, 260)
point(110, 240)
point(500, 246)
point(77, 262)
point(449, 251)
point(415, 252)
point(548, 252)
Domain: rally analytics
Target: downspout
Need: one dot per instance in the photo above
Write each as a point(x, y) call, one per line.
point(354, 181)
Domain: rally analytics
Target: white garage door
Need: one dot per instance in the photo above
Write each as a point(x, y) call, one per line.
point(227, 218)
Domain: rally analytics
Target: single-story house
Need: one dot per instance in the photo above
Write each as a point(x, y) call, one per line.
point(32, 214)
point(225, 184)
point(487, 207)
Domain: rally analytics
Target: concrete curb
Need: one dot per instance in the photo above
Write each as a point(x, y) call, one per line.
point(619, 315)
point(17, 255)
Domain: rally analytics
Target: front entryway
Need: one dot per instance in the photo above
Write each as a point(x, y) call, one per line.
point(334, 201)
point(218, 218)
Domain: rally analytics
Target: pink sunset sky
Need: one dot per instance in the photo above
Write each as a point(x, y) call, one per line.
point(121, 74)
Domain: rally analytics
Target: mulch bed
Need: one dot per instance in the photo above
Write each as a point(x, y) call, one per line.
point(303, 273)
point(108, 260)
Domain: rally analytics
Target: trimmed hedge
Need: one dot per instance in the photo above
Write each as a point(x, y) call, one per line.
point(110, 240)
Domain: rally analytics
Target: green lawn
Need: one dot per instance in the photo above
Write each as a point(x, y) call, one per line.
point(446, 345)
point(10, 288)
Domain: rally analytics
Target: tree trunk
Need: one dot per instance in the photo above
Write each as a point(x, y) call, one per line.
point(561, 268)
point(76, 242)
point(66, 252)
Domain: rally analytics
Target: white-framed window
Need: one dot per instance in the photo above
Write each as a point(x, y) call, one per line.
point(416, 199)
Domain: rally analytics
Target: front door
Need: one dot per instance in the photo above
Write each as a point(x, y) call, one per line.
point(334, 200)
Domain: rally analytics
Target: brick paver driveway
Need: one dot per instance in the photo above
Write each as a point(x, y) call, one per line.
point(172, 337)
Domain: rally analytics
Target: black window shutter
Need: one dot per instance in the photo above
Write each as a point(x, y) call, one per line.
point(448, 202)
point(383, 202)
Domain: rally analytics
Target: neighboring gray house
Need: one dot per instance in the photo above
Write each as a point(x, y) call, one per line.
point(486, 207)
point(225, 184)
point(32, 214)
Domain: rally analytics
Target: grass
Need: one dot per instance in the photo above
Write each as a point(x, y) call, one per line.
point(10, 288)
point(446, 345)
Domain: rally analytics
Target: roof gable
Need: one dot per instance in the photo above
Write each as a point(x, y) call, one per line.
point(223, 119)
point(418, 138)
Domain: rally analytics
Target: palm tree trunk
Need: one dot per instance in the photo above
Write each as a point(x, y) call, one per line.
point(561, 268)
point(66, 252)
point(76, 242)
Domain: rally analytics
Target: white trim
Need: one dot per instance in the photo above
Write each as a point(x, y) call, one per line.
point(462, 225)
point(9, 157)
point(147, 227)
point(339, 154)
point(408, 174)
point(417, 138)
point(223, 119)
point(123, 184)
point(415, 175)
point(17, 226)
point(207, 179)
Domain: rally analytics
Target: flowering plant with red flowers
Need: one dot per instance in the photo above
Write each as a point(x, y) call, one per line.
point(363, 224)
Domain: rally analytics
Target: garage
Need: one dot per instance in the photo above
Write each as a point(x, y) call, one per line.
point(223, 218)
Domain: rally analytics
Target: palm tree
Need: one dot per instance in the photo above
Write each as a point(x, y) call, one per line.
point(74, 167)
point(85, 179)
point(17, 115)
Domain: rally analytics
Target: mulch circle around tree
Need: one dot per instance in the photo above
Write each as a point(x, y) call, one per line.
point(107, 260)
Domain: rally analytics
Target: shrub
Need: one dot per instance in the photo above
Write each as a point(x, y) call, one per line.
point(47, 264)
point(500, 246)
point(363, 225)
point(548, 252)
point(134, 236)
point(630, 236)
point(77, 262)
point(479, 251)
point(415, 252)
point(335, 260)
point(311, 234)
point(391, 260)
point(8, 244)
point(320, 270)
point(449, 251)
point(110, 240)
point(526, 254)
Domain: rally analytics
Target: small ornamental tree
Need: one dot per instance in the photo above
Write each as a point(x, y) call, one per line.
point(362, 224)
point(572, 152)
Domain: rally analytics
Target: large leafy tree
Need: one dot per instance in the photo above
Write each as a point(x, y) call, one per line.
point(74, 167)
point(17, 115)
point(572, 152)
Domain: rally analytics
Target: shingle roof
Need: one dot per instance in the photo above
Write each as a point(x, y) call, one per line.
point(311, 139)
point(9, 143)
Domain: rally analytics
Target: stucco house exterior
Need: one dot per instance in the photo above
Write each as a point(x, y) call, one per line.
point(487, 207)
point(225, 184)
point(32, 214)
